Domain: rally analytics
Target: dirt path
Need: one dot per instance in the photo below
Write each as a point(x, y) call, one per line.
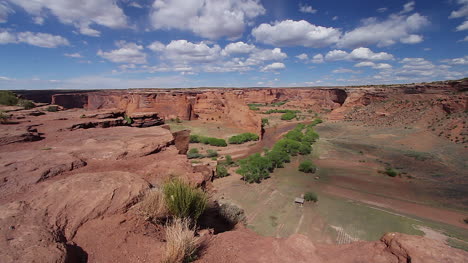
point(432, 213)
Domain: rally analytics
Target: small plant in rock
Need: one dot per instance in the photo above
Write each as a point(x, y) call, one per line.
point(181, 243)
point(52, 108)
point(310, 196)
point(307, 167)
point(128, 119)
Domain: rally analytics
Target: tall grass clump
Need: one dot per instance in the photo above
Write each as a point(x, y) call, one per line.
point(154, 205)
point(184, 201)
point(181, 243)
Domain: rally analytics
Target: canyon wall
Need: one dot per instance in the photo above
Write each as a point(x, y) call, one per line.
point(440, 106)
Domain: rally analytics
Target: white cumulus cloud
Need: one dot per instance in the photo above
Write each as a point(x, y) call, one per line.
point(238, 48)
point(80, 14)
point(296, 33)
point(397, 28)
point(207, 18)
point(358, 54)
point(373, 65)
point(274, 66)
point(35, 39)
point(126, 53)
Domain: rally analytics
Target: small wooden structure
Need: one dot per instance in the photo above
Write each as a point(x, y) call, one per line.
point(299, 200)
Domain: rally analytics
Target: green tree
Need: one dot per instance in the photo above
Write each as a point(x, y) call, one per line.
point(254, 168)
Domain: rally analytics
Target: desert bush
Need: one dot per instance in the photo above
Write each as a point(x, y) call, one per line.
point(307, 167)
point(184, 201)
point(310, 196)
point(211, 153)
point(305, 148)
point(229, 160)
point(281, 111)
point(252, 107)
point(194, 154)
point(208, 140)
point(310, 135)
point(26, 104)
point(3, 117)
point(181, 243)
point(154, 205)
point(390, 172)
point(265, 122)
point(280, 103)
point(254, 168)
point(242, 138)
point(288, 116)
point(52, 108)
point(221, 171)
point(315, 122)
point(8, 98)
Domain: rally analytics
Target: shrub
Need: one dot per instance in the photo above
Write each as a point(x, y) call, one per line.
point(229, 160)
point(181, 243)
point(280, 103)
point(288, 116)
point(221, 171)
point(183, 201)
point(8, 98)
point(194, 138)
point(310, 196)
point(26, 104)
point(208, 140)
point(52, 108)
point(281, 111)
point(307, 167)
point(194, 154)
point(310, 136)
point(154, 205)
point(3, 117)
point(251, 107)
point(242, 138)
point(211, 153)
point(316, 121)
point(305, 148)
point(390, 172)
point(254, 168)
point(265, 122)
point(178, 120)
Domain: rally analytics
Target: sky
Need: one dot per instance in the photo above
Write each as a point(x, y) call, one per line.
point(119, 44)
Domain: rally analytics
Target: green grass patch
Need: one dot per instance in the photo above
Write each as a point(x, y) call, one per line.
point(242, 138)
point(208, 140)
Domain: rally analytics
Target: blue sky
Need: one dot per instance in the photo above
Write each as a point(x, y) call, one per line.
point(89, 44)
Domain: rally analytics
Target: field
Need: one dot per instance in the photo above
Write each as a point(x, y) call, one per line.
point(356, 200)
